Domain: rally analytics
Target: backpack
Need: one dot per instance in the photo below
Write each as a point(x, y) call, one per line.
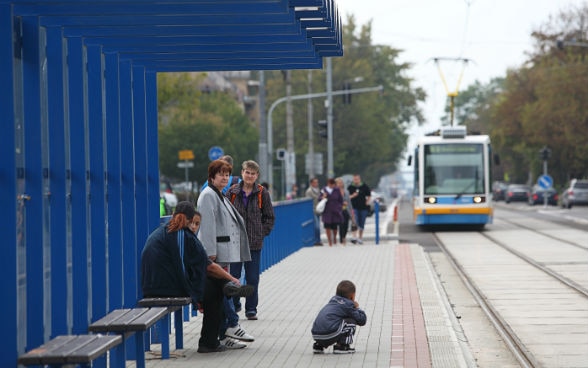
point(259, 200)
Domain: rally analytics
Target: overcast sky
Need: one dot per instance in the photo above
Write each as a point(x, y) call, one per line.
point(493, 33)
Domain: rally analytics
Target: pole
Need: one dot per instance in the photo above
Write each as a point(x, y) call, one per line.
point(310, 135)
point(546, 193)
point(270, 143)
point(330, 170)
point(263, 158)
point(290, 176)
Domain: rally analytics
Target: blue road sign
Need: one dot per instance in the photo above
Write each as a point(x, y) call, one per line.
point(215, 152)
point(545, 181)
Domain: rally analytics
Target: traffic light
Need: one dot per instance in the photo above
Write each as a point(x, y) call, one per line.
point(346, 96)
point(545, 153)
point(323, 133)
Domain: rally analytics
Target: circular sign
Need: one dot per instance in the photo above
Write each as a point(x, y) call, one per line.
point(545, 181)
point(215, 152)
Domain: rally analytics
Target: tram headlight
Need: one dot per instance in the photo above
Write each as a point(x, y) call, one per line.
point(478, 199)
point(431, 200)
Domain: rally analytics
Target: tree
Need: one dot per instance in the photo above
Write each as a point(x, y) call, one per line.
point(190, 119)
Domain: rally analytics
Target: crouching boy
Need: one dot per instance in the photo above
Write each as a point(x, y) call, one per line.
point(336, 321)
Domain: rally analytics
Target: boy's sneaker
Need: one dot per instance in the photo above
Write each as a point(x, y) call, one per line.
point(238, 333)
point(317, 349)
point(343, 349)
point(232, 343)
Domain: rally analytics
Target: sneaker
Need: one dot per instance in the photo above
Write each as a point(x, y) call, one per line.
point(231, 289)
point(353, 240)
point(230, 343)
point(317, 349)
point(238, 333)
point(251, 316)
point(343, 349)
point(206, 349)
point(359, 241)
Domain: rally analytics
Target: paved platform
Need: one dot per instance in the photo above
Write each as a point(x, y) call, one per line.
point(408, 324)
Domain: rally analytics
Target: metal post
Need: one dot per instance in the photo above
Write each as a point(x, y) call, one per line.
point(310, 133)
point(330, 169)
point(263, 152)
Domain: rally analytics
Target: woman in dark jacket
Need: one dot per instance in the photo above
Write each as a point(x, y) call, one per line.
point(333, 213)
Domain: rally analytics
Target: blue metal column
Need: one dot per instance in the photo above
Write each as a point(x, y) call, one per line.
point(77, 195)
point(59, 251)
point(113, 177)
point(33, 185)
point(8, 272)
point(129, 243)
point(141, 153)
point(96, 174)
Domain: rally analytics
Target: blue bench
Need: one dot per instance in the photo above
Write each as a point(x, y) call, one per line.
point(70, 349)
point(173, 305)
point(127, 322)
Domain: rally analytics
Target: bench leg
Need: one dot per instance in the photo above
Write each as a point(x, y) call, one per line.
point(165, 328)
point(179, 325)
point(118, 356)
point(140, 349)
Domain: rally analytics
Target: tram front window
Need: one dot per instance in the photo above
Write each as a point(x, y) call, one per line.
point(454, 169)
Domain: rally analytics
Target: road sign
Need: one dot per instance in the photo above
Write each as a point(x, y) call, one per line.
point(545, 181)
point(185, 164)
point(215, 152)
point(186, 155)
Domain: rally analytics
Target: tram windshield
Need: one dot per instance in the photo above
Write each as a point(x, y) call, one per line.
point(454, 169)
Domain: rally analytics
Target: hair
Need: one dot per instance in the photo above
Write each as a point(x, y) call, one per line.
point(345, 289)
point(250, 165)
point(227, 158)
point(177, 222)
point(218, 166)
point(331, 181)
point(339, 180)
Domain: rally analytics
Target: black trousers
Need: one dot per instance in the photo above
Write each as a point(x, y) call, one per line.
point(213, 312)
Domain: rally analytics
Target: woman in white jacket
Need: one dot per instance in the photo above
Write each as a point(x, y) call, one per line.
point(224, 236)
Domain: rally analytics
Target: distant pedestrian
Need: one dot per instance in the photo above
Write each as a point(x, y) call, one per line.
point(333, 214)
point(336, 321)
point(314, 192)
point(360, 195)
point(347, 210)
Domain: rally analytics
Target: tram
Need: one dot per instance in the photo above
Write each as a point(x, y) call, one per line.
point(452, 179)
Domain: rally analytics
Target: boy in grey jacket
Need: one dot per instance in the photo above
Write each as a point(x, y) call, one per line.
point(336, 321)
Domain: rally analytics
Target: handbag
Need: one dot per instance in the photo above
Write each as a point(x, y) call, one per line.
point(320, 207)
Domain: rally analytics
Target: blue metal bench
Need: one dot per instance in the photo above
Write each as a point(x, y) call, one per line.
point(70, 350)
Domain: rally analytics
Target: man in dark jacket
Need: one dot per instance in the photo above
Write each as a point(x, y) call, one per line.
point(254, 204)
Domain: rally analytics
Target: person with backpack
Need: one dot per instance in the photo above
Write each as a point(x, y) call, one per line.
point(254, 204)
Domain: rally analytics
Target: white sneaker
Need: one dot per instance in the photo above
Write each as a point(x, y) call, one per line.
point(232, 343)
point(238, 333)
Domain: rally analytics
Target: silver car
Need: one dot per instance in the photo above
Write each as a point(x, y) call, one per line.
point(575, 193)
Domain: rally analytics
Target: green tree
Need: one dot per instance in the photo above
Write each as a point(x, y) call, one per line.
point(190, 119)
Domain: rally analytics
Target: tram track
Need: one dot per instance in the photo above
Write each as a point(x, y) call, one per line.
point(525, 356)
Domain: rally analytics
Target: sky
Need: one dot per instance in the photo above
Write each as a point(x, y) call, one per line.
point(493, 34)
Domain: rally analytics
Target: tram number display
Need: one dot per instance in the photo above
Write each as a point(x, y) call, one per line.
point(453, 148)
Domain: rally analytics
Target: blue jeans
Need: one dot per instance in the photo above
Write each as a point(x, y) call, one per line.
point(231, 317)
point(252, 271)
point(360, 216)
point(317, 228)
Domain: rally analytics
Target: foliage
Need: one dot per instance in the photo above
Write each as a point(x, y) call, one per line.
point(370, 132)
point(543, 103)
point(190, 119)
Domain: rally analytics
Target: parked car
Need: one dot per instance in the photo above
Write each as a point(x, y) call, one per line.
point(168, 196)
point(538, 194)
point(379, 197)
point(499, 190)
point(517, 192)
point(575, 193)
